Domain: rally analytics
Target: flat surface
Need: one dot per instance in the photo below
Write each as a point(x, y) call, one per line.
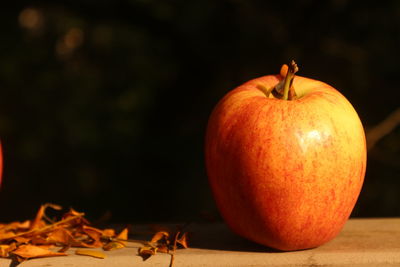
point(362, 242)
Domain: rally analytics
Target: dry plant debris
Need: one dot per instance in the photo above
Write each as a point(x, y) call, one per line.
point(44, 237)
point(164, 242)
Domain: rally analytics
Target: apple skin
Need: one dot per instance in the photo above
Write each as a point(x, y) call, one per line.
point(285, 174)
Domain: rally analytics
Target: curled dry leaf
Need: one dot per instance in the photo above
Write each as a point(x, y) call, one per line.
point(163, 248)
point(160, 237)
point(95, 234)
point(146, 252)
point(108, 233)
point(6, 249)
point(181, 239)
point(7, 235)
point(38, 221)
point(31, 251)
point(8, 231)
point(118, 242)
point(123, 235)
point(113, 245)
point(59, 236)
point(22, 240)
point(15, 226)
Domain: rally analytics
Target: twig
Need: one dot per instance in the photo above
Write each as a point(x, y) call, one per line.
point(382, 129)
point(172, 253)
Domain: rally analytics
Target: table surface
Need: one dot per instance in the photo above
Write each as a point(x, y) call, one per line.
point(362, 242)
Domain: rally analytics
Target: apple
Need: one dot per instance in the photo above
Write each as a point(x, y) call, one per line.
point(285, 158)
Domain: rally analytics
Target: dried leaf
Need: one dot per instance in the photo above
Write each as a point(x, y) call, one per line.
point(7, 235)
point(38, 221)
point(47, 246)
point(108, 233)
point(22, 239)
point(123, 235)
point(92, 253)
point(15, 226)
point(31, 251)
point(118, 243)
point(160, 236)
point(182, 240)
point(85, 241)
point(8, 231)
point(37, 240)
point(94, 234)
point(43, 230)
point(162, 248)
point(64, 248)
point(77, 217)
point(147, 252)
point(59, 236)
point(6, 249)
point(114, 245)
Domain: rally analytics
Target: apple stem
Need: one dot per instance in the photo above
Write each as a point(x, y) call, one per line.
point(288, 90)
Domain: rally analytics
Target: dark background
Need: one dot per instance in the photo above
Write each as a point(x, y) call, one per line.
point(104, 104)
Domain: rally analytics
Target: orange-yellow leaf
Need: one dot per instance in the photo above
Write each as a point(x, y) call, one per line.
point(92, 253)
point(11, 230)
point(92, 232)
point(78, 217)
point(114, 245)
point(38, 218)
point(64, 248)
point(163, 249)
point(46, 246)
point(15, 226)
point(6, 235)
point(6, 249)
point(123, 235)
point(182, 240)
point(109, 233)
point(31, 251)
point(21, 239)
point(59, 236)
point(37, 240)
point(72, 213)
point(38, 221)
point(85, 242)
point(159, 236)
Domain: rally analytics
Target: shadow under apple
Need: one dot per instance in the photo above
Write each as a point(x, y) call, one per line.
point(217, 236)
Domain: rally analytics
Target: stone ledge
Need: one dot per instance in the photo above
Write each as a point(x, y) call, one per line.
point(362, 242)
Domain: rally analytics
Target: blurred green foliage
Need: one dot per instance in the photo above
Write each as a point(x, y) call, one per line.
point(103, 104)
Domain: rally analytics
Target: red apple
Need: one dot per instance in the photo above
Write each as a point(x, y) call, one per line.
point(286, 160)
